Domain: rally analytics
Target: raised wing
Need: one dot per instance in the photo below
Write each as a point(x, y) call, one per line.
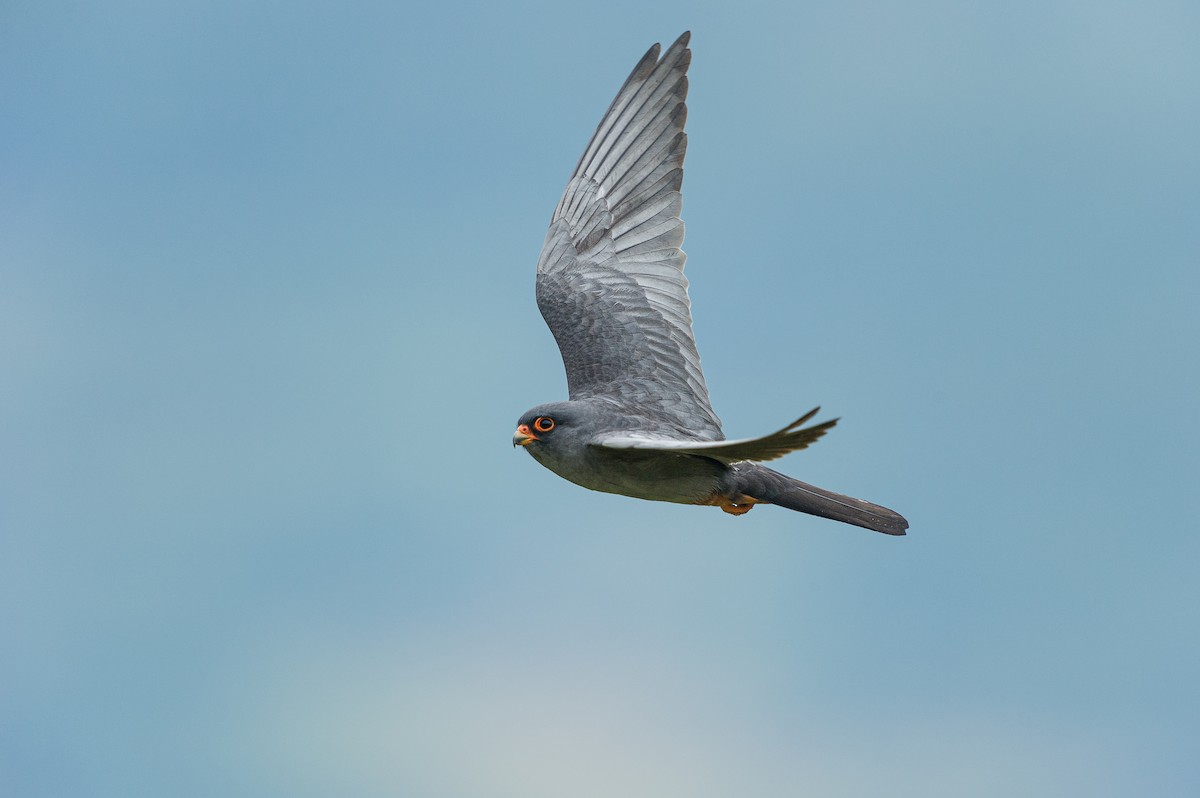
point(791, 438)
point(610, 281)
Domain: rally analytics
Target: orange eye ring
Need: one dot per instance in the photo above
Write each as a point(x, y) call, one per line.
point(544, 424)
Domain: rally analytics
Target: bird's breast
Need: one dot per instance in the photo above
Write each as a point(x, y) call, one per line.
point(656, 476)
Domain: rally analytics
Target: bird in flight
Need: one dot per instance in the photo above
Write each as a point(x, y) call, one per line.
point(610, 286)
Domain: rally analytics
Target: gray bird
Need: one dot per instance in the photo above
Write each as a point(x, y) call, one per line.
point(610, 286)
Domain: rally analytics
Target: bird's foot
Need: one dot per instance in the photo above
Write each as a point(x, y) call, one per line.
point(734, 505)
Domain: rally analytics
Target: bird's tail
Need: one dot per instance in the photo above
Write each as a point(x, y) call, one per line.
point(761, 483)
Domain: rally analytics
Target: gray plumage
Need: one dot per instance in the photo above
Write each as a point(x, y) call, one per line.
point(611, 288)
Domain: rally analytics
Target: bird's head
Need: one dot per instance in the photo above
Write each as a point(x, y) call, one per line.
point(557, 430)
point(544, 425)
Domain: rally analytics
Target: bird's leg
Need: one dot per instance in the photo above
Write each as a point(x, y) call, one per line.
point(734, 505)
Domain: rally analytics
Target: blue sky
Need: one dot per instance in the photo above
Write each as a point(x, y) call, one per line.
point(267, 322)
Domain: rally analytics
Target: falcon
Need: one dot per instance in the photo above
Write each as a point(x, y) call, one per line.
point(611, 288)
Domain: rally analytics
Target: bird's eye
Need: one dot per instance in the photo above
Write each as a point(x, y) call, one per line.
point(544, 424)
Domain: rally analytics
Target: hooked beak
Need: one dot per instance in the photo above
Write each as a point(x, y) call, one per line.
point(523, 436)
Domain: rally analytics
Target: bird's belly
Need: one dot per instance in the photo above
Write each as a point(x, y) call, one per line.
point(654, 476)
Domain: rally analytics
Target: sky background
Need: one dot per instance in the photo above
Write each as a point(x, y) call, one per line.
point(267, 323)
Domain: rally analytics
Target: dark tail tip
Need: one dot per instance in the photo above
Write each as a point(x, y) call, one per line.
point(770, 486)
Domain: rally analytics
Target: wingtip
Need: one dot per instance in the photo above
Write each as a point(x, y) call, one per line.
point(802, 420)
point(679, 44)
point(650, 57)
